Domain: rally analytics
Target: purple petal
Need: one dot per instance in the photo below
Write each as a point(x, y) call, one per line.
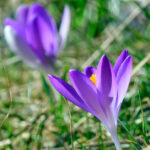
point(88, 71)
point(22, 13)
point(46, 37)
point(120, 60)
point(46, 28)
point(30, 36)
point(18, 45)
point(64, 27)
point(86, 90)
point(19, 28)
point(67, 91)
point(123, 78)
point(106, 81)
point(38, 10)
point(33, 38)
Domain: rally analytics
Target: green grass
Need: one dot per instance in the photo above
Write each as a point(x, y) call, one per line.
point(39, 117)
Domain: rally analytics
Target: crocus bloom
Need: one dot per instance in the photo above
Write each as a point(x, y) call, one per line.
point(33, 36)
point(100, 90)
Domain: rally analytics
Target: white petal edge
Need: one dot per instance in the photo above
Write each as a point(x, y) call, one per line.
point(64, 26)
point(20, 47)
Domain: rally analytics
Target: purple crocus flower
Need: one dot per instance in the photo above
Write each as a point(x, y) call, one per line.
point(100, 90)
point(33, 36)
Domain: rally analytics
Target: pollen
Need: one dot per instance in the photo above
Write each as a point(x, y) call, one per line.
point(93, 78)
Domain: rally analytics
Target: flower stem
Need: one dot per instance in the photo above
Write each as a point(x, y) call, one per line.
point(116, 140)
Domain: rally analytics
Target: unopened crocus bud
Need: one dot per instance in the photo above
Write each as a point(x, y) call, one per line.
point(34, 37)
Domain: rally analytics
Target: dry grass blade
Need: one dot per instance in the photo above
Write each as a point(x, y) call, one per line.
point(141, 64)
point(10, 96)
point(116, 33)
point(107, 143)
point(11, 61)
point(5, 142)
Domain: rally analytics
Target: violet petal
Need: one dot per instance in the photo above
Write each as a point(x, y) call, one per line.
point(22, 13)
point(50, 45)
point(106, 81)
point(64, 27)
point(20, 46)
point(19, 28)
point(46, 38)
point(67, 91)
point(120, 60)
point(123, 78)
point(38, 10)
point(33, 38)
point(86, 90)
point(88, 71)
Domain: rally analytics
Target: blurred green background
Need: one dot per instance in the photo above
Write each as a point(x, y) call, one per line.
point(34, 116)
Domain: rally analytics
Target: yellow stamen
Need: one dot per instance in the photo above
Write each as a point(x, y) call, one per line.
point(93, 78)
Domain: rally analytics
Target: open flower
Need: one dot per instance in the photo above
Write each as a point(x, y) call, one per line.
point(33, 36)
point(100, 90)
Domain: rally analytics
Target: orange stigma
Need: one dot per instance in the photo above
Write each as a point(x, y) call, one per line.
point(93, 78)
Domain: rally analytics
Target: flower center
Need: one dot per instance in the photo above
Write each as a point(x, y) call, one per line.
point(93, 78)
